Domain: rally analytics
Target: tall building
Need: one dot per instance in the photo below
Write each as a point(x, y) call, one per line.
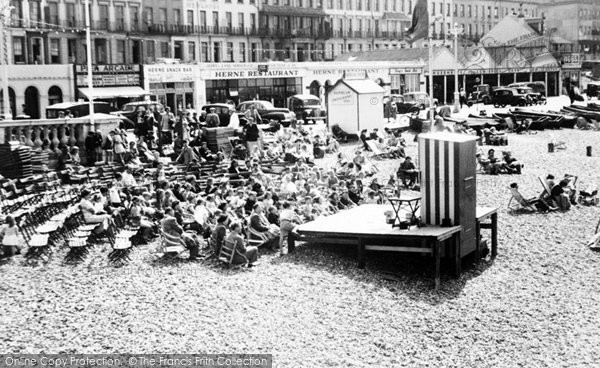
point(574, 22)
point(476, 17)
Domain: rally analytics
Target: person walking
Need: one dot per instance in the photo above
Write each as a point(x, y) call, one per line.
point(462, 97)
point(252, 134)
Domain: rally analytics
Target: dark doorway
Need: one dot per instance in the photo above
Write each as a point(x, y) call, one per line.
point(55, 95)
point(12, 105)
point(32, 103)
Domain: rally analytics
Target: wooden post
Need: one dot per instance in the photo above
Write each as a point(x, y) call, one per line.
point(436, 256)
point(361, 253)
point(457, 259)
point(494, 235)
point(477, 241)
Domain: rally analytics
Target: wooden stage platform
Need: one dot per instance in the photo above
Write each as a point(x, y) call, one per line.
point(365, 228)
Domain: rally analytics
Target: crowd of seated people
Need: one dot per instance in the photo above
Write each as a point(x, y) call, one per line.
point(494, 165)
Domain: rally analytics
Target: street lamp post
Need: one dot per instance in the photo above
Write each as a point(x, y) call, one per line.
point(455, 32)
point(5, 12)
point(90, 83)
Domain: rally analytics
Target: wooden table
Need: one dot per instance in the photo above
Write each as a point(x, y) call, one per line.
point(483, 214)
point(365, 228)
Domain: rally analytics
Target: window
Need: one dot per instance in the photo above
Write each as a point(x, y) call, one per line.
point(202, 21)
point(254, 52)
point(368, 7)
point(469, 11)
point(53, 13)
point(191, 51)
point(101, 45)
point(135, 51)
point(348, 4)
point(432, 8)
point(34, 11)
point(240, 1)
point(204, 51)
point(149, 16)
point(103, 16)
point(489, 11)
point(164, 49)
point(150, 50)
point(496, 12)
point(253, 22)
point(216, 22)
point(462, 10)
point(54, 51)
point(120, 54)
point(470, 30)
point(330, 4)
point(241, 24)
point(177, 16)
point(18, 50)
point(120, 17)
point(133, 18)
point(70, 15)
point(190, 18)
point(216, 52)
point(340, 4)
point(448, 9)
point(162, 16)
point(72, 50)
point(455, 10)
point(228, 21)
point(243, 51)
point(359, 4)
point(376, 5)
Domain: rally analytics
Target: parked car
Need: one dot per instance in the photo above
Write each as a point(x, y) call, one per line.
point(402, 107)
point(482, 93)
point(593, 89)
point(508, 96)
point(524, 88)
point(130, 109)
point(77, 109)
point(539, 87)
point(274, 116)
point(307, 107)
point(227, 114)
point(420, 99)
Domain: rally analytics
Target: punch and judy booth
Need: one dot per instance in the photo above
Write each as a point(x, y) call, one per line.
point(355, 105)
point(448, 184)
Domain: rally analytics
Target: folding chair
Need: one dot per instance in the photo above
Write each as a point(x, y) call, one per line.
point(518, 202)
point(171, 245)
point(227, 252)
point(256, 238)
point(376, 152)
point(546, 193)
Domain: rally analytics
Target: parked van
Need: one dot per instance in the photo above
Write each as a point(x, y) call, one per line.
point(78, 109)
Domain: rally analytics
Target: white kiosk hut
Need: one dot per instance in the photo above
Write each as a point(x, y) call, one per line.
point(355, 105)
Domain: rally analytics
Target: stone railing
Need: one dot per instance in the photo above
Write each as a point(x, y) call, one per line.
point(70, 132)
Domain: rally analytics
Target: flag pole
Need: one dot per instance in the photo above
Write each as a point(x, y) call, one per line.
point(88, 40)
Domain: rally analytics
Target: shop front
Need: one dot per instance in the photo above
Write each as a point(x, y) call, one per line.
point(116, 84)
point(571, 70)
point(173, 85)
point(272, 82)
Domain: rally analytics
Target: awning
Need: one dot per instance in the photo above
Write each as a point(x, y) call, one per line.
point(111, 92)
point(292, 11)
point(559, 40)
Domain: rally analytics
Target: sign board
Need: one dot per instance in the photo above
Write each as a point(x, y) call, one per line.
point(571, 60)
point(263, 68)
point(341, 97)
point(256, 73)
point(405, 71)
point(111, 75)
point(169, 73)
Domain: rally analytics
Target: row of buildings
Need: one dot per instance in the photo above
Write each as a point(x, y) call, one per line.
point(140, 32)
point(271, 49)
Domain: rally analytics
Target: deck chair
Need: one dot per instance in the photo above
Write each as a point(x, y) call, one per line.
point(227, 252)
point(546, 193)
point(171, 245)
point(594, 241)
point(376, 152)
point(256, 238)
point(518, 202)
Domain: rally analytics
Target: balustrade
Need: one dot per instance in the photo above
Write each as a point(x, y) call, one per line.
point(36, 133)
